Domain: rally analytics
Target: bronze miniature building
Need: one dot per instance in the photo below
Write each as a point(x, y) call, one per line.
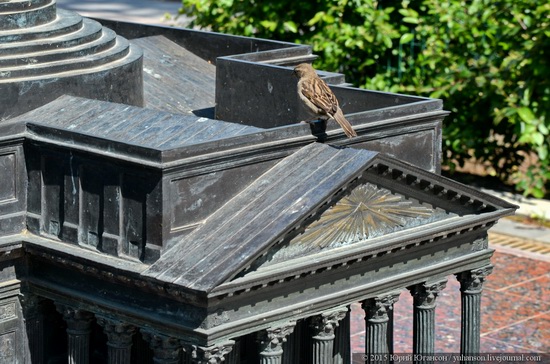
point(208, 226)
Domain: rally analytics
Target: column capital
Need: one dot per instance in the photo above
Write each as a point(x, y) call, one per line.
point(118, 333)
point(471, 282)
point(377, 309)
point(425, 294)
point(214, 354)
point(325, 323)
point(166, 349)
point(78, 321)
point(272, 339)
point(31, 303)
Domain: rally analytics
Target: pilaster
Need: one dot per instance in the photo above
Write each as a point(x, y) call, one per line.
point(34, 325)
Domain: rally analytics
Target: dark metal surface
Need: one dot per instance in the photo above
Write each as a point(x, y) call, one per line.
point(207, 45)
point(289, 194)
point(265, 211)
point(168, 67)
point(140, 128)
point(13, 197)
point(25, 14)
point(406, 127)
point(246, 89)
point(153, 138)
point(255, 86)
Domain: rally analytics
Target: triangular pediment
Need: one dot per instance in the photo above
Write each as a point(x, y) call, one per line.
point(319, 201)
point(366, 212)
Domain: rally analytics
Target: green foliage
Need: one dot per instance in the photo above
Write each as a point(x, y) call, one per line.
point(488, 60)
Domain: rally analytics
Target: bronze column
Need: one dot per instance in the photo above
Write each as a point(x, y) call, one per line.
point(342, 344)
point(323, 334)
point(378, 319)
point(79, 325)
point(271, 343)
point(471, 286)
point(166, 349)
point(119, 340)
point(424, 300)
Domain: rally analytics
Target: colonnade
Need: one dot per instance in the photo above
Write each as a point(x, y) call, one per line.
point(323, 338)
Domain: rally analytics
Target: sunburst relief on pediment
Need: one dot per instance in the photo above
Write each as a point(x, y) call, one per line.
point(367, 212)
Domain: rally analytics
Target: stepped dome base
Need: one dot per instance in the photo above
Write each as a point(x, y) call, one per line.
point(65, 55)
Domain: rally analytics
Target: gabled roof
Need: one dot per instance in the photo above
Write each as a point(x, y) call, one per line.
point(326, 192)
point(254, 220)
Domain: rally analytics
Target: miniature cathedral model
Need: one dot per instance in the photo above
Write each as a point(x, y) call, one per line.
point(183, 215)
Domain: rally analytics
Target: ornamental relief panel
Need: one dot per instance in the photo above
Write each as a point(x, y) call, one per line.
point(7, 348)
point(8, 311)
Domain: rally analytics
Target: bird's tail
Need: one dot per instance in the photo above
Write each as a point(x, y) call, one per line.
point(342, 121)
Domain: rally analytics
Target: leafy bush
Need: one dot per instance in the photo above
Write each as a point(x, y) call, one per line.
point(488, 60)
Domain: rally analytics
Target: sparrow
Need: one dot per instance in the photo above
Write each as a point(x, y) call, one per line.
point(319, 98)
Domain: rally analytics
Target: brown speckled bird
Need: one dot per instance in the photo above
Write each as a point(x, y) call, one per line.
point(319, 98)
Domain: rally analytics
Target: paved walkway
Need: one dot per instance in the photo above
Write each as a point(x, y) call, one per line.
point(536, 208)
